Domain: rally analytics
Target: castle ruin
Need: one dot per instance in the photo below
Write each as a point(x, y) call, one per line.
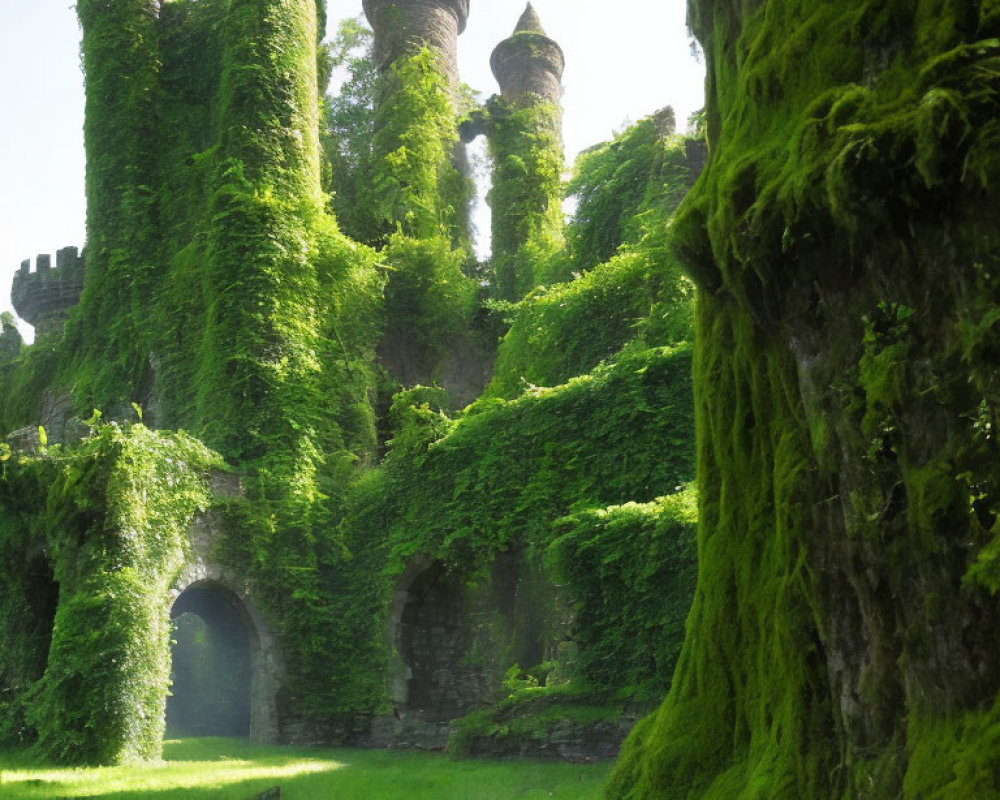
point(239, 206)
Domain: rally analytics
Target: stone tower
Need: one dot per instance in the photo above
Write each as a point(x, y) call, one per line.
point(402, 27)
point(410, 107)
point(529, 63)
point(44, 297)
point(525, 134)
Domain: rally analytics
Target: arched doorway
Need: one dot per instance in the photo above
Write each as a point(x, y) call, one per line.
point(212, 663)
point(454, 635)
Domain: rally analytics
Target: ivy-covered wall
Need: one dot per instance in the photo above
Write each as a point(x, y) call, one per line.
point(502, 477)
point(841, 643)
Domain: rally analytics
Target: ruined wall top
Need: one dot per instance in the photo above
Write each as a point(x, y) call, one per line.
point(529, 62)
point(43, 297)
point(402, 27)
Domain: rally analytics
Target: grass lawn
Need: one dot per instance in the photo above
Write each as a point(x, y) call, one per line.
point(231, 769)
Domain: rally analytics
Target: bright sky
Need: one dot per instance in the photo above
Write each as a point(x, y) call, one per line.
point(624, 60)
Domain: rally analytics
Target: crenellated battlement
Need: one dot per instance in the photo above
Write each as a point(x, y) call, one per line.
point(43, 296)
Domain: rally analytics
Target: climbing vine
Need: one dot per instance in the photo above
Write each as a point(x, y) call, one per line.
point(112, 535)
point(526, 149)
point(421, 192)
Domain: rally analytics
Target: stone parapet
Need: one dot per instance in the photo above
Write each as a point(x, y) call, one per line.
point(43, 297)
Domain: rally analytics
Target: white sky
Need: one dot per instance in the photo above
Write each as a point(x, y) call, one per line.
point(624, 61)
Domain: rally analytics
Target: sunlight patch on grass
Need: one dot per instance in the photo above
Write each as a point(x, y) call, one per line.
point(233, 769)
point(156, 776)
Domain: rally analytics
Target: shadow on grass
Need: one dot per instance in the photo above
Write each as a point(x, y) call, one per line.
point(231, 769)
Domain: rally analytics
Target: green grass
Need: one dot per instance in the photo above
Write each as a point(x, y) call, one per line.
point(231, 769)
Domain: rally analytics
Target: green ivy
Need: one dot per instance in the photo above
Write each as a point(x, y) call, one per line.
point(420, 191)
point(631, 569)
point(618, 185)
point(116, 515)
point(525, 146)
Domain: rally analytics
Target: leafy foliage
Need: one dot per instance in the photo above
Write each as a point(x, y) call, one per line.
point(500, 477)
point(619, 184)
point(526, 148)
point(639, 297)
point(349, 122)
point(419, 189)
point(632, 570)
point(114, 531)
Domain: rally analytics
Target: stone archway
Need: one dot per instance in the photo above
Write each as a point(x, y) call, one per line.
point(225, 667)
point(212, 644)
point(448, 636)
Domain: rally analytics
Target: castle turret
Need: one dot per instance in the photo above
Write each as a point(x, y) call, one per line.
point(529, 63)
point(525, 135)
point(44, 297)
point(260, 266)
point(421, 167)
point(402, 27)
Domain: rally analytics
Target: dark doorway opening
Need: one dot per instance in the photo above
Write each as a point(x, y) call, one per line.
point(210, 664)
point(430, 639)
point(41, 593)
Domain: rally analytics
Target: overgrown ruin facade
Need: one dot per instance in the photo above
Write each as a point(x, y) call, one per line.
point(307, 511)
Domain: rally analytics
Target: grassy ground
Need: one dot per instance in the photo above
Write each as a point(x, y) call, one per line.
point(230, 769)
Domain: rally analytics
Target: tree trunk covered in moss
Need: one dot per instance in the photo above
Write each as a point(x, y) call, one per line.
point(843, 639)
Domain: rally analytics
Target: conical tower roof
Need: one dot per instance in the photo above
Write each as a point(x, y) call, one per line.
point(529, 22)
point(528, 61)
